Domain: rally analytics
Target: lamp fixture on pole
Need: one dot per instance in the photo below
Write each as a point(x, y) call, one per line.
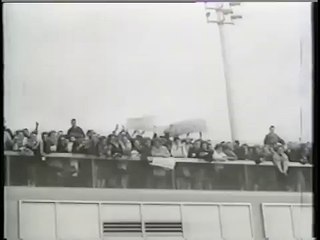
point(225, 15)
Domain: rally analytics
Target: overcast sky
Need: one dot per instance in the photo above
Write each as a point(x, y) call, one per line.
point(103, 63)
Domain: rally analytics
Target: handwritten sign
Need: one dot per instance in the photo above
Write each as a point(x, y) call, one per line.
point(168, 163)
point(187, 126)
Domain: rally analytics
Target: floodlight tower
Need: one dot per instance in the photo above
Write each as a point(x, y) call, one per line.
point(224, 15)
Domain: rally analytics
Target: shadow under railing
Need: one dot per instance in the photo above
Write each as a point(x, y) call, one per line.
point(78, 170)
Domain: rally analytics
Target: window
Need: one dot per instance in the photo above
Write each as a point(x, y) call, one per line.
point(288, 221)
point(217, 221)
point(302, 221)
point(37, 221)
point(78, 221)
point(201, 222)
point(236, 222)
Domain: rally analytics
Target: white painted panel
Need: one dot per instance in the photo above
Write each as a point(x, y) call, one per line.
point(78, 221)
point(123, 238)
point(201, 222)
point(161, 213)
point(165, 238)
point(278, 222)
point(37, 221)
point(120, 212)
point(302, 217)
point(236, 222)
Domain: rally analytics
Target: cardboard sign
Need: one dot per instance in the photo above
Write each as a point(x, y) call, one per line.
point(142, 123)
point(187, 126)
point(168, 163)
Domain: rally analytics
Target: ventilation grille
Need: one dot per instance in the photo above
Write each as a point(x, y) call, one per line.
point(167, 228)
point(122, 227)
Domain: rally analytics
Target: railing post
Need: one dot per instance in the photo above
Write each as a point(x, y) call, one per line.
point(93, 173)
point(246, 177)
point(8, 169)
point(173, 179)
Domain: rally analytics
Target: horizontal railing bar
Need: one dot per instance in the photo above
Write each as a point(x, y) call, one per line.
point(176, 160)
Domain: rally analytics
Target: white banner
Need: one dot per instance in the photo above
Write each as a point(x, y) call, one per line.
point(187, 126)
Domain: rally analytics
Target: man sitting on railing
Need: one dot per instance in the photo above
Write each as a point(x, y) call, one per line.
point(272, 138)
point(75, 131)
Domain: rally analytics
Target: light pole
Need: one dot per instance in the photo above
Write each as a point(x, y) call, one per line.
point(222, 12)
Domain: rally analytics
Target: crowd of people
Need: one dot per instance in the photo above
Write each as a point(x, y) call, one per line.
point(123, 144)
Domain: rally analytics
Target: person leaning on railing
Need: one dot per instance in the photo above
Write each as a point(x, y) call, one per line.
point(203, 176)
point(228, 150)
point(178, 149)
point(281, 162)
point(35, 165)
point(7, 140)
point(159, 173)
point(62, 145)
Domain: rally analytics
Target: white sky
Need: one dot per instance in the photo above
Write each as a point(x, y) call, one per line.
point(102, 63)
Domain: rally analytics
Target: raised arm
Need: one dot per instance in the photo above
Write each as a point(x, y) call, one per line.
point(200, 135)
point(36, 129)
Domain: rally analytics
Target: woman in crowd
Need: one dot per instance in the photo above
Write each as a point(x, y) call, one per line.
point(19, 141)
point(205, 153)
point(7, 140)
point(219, 155)
point(62, 146)
point(139, 173)
point(195, 149)
point(257, 154)
point(281, 162)
point(158, 150)
point(126, 145)
point(35, 164)
point(228, 150)
point(202, 176)
point(51, 142)
point(89, 143)
point(159, 174)
point(116, 150)
point(242, 152)
point(54, 166)
point(178, 149)
point(103, 169)
point(44, 138)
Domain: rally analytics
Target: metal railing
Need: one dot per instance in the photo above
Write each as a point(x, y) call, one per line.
point(175, 173)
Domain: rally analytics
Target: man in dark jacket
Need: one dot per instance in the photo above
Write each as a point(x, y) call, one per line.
point(272, 138)
point(75, 131)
